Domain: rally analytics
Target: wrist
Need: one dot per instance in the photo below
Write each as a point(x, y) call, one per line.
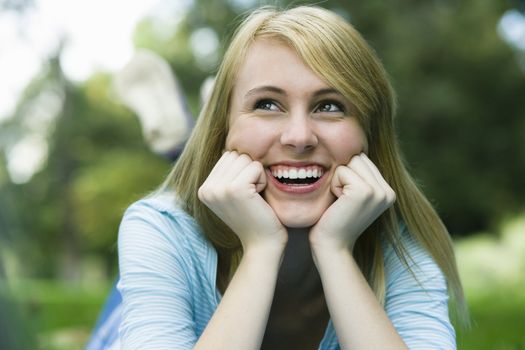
point(328, 254)
point(328, 246)
point(264, 242)
point(264, 252)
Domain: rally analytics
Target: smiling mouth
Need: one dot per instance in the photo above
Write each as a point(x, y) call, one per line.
point(297, 176)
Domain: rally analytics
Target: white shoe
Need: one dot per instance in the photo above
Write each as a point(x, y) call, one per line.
point(149, 87)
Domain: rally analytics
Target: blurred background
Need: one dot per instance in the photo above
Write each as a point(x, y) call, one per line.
point(72, 157)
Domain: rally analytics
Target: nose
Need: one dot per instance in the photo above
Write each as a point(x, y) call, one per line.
point(298, 133)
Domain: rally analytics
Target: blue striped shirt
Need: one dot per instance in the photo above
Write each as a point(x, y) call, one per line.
point(168, 273)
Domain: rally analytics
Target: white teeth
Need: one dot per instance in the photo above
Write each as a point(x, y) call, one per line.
point(297, 173)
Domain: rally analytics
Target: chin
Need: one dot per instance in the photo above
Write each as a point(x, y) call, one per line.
point(300, 214)
point(298, 220)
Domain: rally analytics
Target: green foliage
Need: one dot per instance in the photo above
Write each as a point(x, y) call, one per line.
point(106, 200)
point(97, 166)
point(63, 313)
point(460, 114)
point(14, 331)
point(491, 267)
point(53, 305)
point(498, 321)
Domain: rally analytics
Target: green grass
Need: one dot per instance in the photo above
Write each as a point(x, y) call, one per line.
point(498, 322)
point(61, 314)
point(493, 274)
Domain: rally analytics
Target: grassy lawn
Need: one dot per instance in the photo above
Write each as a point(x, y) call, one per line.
point(493, 274)
point(498, 322)
point(61, 315)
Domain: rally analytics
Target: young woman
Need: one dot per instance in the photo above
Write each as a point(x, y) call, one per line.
point(291, 191)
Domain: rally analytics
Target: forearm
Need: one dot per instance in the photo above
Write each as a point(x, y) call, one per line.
point(241, 317)
point(359, 319)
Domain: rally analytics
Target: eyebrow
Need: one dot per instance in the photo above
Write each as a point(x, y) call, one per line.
point(326, 92)
point(266, 88)
point(269, 88)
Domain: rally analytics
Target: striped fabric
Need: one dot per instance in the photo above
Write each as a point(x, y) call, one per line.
point(168, 274)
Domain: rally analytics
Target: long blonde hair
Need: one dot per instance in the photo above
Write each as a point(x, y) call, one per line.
point(333, 49)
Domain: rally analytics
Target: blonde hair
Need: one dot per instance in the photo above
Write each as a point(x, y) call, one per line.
point(333, 49)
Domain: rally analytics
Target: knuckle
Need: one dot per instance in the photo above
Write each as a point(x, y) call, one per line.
point(382, 197)
point(202, 194)
point(229, 190)
point(209, 194)
point(258, 166)
point(391, 196)
point(244, 157)
point(367, 193)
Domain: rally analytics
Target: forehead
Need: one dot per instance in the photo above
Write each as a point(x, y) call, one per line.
point(274, 63)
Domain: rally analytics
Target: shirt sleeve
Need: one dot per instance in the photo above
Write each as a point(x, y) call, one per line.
point(417, 302)
point(157, 309)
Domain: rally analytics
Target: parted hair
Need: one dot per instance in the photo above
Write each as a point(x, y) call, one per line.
point(333, 49)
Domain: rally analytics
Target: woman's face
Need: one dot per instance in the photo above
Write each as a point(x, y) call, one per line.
point(285, 116)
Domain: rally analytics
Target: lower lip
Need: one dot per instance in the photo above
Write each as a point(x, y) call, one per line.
point(296, 189)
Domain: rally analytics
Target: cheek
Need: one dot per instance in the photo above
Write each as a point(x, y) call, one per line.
point(251, 137)
point(347, 142)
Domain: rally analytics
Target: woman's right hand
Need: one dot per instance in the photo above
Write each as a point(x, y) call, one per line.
point(232, 190)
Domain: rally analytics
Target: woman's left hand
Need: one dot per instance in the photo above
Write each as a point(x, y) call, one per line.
point(362, 195)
